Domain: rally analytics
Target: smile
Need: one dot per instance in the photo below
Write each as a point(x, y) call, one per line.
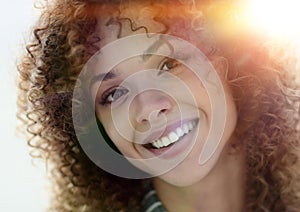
point(174, 136)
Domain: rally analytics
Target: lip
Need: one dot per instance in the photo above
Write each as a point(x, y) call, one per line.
point(170, 128)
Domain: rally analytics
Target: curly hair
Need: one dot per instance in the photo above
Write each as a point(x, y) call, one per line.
point(265, 91)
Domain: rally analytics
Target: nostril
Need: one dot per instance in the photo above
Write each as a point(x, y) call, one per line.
point(150, 107)
point(162, 111)
point(144, 120)
point(156, 114)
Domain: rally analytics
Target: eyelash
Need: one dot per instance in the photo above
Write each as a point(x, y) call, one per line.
point(110, 93)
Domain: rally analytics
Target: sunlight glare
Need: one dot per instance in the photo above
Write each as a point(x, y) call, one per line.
point(277, 17)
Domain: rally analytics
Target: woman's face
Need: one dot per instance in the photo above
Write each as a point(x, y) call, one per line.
point(155, 107)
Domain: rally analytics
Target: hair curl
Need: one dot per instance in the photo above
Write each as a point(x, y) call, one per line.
point(266, 95)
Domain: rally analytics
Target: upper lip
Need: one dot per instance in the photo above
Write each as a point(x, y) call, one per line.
point(164, 131)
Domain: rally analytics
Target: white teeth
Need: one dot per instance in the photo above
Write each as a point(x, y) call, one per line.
point(165, 141)
point(174, 136)
point(185, 128)
point(160, 143)
point(179, 132)
point(155, 144)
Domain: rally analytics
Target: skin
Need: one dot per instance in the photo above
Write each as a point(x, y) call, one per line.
point(216, 185)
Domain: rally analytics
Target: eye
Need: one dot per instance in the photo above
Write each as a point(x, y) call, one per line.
point(168, 64)
point(112, 94)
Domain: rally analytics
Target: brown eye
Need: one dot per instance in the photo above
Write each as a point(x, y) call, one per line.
point(169, 64)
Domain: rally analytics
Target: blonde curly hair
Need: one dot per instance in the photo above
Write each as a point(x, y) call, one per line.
point(265, 91)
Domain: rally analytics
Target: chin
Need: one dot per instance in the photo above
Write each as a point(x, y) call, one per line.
point(186, 180)
point(185, 175)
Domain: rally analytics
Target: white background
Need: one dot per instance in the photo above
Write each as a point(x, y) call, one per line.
point(23, 186)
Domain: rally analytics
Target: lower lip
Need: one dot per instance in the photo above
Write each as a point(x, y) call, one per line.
point(176, 148)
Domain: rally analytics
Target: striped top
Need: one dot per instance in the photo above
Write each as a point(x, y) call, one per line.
point(151, 203)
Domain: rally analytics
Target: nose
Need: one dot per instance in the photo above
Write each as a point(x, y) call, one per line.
point(151, 106)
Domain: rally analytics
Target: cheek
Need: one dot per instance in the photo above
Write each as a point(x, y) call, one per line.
point(118, 129)
point(200, 95)
point(204, 99)
point(107, 123)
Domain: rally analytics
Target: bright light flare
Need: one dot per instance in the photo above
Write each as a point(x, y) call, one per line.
point(276, 17)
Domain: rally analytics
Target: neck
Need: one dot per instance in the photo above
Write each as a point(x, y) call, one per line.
point(221, 190)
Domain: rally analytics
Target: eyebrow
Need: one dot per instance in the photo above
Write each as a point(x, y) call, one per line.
point(153, 48)
point(105, 76)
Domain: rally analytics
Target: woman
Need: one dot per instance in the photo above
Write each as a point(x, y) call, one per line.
point(142, 102)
